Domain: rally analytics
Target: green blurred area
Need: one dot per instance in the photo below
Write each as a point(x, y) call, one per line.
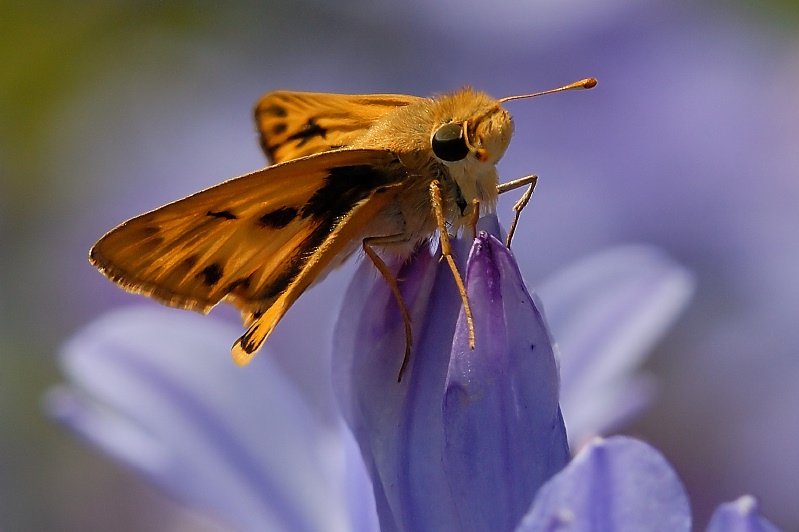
point(51, 51)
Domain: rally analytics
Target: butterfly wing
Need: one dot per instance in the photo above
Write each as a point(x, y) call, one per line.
point(295, 124)
point(256, 241)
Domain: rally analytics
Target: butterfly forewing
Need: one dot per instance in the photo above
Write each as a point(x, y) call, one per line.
point(262, 320)
point(248, 239)
point(296, 124)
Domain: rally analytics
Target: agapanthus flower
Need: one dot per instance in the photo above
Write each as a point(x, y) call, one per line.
point(468, 440)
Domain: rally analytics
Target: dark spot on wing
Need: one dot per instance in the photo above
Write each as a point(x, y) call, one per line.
point(282, 281)
point(310, 130)
point(225, 215)
point(149, 231)
point(268, 150)
point(247, 341)
point(297, 263)
point(279, 128)
point(239, 283)
point(211, 274)
point(344, 187)
point(278, 218)
point(148, 244)
point(189, 262)
point(183, 269)
point(273, 110)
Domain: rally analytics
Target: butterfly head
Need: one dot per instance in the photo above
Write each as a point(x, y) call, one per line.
point(476, 126)
point(480, 133)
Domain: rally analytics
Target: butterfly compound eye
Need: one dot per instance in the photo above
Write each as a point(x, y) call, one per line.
point(449, 143)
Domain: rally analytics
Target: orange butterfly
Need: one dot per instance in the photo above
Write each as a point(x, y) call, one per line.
point(348, 172)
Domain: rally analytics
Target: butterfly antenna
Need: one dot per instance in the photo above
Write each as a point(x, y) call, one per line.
point(587, 83)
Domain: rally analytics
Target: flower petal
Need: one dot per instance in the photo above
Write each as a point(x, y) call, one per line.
point(607, 311)
point(397, 424)
point(156, 389)
point(504, 435)
point(741, 515)
point(615, 484)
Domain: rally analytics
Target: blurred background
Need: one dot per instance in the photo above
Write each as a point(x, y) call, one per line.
point(690, 142)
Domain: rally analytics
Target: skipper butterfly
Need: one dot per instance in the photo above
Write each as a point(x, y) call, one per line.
point(347, 172)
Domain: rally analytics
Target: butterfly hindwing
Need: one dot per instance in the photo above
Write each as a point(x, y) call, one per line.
point(251, 239)
point(295, 124)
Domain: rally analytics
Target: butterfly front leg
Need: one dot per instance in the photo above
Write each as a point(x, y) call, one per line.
point(519, 206)
point(437, 202)
point(391, 280)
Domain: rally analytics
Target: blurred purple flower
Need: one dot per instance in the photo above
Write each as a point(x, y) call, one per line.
point(607, 312)
point(742, 515)
point(615, 484)
point(154, 389)
point(624, 484)
point(465, 441)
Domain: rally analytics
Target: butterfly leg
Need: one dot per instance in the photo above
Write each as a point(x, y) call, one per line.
point(521, 204)
point(382, 267)
point(517, 183)
point(473, 219)
point(446, 251)
point(518, 207)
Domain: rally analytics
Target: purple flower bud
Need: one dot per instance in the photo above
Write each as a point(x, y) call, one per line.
point(468, 436)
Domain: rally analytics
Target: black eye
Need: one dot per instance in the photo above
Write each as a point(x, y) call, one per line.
point(449, 144)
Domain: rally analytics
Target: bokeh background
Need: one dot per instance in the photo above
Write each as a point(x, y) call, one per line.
point(690, 142)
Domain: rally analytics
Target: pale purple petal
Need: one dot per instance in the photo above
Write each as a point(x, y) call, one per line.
point(357, 486)
point(741, 515)
point(156, 389)
point(615, 484)
point(606, 312)
point(504, 435)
